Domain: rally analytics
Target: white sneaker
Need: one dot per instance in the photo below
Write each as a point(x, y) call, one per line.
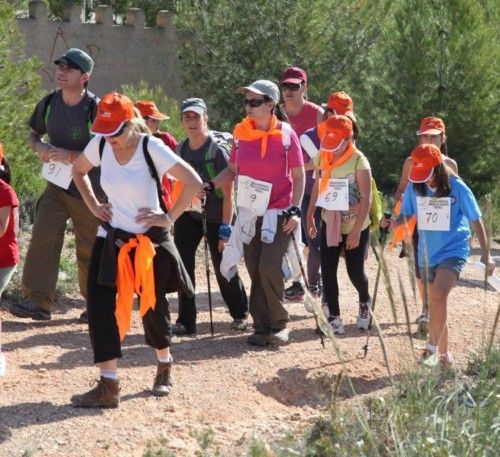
point(363, 321)
point(337, 325)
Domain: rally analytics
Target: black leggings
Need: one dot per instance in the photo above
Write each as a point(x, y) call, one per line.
point(101, 305)
point(355, 262)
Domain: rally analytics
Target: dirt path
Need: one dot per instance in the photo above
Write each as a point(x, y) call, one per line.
point(221, 384)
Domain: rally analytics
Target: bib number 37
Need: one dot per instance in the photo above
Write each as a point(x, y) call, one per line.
point(434, 213)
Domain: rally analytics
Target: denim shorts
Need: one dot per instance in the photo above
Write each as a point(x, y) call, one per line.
point(455, 264)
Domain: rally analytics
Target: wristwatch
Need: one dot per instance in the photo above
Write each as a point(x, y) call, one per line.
point(294, 211)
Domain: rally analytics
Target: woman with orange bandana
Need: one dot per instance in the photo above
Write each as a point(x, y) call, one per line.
point(267, 161)
point(431, 131)
point(343, 189)
point(134, 251)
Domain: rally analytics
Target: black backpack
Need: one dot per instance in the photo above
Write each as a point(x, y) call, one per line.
point(91, 112)
point(151, 166)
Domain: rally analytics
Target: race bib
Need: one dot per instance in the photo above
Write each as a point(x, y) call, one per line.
point(57, 173)
point(253, 194)
point(336, 196)
point(434, 213)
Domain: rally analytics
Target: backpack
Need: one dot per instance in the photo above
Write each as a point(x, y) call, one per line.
point(152, 170)
point(376, 209)
point(220, 140)
point(90, 115)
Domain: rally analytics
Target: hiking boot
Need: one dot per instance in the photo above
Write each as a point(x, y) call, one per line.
point(180, 330)
point(295, 292)
point(316, 289)
point(337, 325)
point(239, 324)
point(84, 317)
point(363, 321)
point(163, 380)
point(106, 394)
point(279, 336)
point(28, 309)
point(423, 317)
point(258, 339)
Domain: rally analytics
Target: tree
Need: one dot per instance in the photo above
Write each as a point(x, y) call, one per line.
point(20, 90)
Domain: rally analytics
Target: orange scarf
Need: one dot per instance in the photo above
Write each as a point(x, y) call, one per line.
point(327, 163)
point(247, 131)
point(403, 232)
point(138, 278)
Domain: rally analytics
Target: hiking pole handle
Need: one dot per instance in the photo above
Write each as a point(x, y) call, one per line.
point(385, 230)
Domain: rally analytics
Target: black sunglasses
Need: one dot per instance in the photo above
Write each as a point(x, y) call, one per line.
point(255, 102)
point(120, 132)
point(291, 86)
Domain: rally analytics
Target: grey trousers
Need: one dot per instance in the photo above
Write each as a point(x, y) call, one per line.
point(264, 264)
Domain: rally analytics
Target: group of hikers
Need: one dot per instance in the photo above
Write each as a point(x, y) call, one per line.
point(141, 202)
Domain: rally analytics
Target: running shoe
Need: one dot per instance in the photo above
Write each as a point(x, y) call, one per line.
point(295, 292)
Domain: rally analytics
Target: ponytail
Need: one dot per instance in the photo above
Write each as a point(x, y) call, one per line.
point(280, 113)
point(5, 174)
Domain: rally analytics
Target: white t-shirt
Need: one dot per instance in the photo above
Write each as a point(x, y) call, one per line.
point(130, 186)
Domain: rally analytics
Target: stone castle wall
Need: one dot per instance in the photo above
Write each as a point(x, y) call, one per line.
point(123, 54)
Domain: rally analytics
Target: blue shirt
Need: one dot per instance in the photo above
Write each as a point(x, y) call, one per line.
point(441, 245)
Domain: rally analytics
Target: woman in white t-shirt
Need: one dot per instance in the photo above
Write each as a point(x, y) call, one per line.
point(134, 251)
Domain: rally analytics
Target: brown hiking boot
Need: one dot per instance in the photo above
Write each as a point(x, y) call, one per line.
point(106, 394)
point(163, 380)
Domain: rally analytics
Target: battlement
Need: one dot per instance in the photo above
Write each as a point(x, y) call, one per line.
point(123, 54)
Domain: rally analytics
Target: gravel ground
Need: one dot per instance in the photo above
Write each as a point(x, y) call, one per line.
point(224, 390)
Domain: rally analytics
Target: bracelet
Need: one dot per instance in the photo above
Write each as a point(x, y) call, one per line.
point(225, 231)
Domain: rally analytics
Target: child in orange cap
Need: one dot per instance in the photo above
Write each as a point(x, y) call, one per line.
point(444, 207)
point(343, 189)
point(432, 130)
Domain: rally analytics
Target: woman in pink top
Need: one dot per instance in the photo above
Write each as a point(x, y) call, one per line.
point(267, 151)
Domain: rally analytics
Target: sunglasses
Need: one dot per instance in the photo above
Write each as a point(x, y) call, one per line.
point(255, 102)
point(291, 86)
point(120, 132)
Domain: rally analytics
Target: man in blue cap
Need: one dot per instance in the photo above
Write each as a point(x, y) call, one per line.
point(59, 133)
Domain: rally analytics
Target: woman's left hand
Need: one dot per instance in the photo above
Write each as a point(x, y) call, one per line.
point(489, 263)
point(352, 241)
point(290, 224)
point(150, 218)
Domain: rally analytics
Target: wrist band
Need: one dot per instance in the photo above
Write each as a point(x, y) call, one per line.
point(293, 211)
point(225, 231)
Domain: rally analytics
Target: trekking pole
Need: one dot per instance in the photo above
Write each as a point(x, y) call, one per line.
point(307, 292)
point(383, 236)
point(207, 267)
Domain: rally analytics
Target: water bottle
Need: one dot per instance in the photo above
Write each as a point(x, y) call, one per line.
point(493, 280)
point(3, 364)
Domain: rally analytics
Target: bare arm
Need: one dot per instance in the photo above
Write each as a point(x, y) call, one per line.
point(226, 176)
point(80, 170)
point(4, 219)
point(227, 203)
point(184, 173)
point(310, 223)
point(290, 224)
point(483, 242)
point(403, 181)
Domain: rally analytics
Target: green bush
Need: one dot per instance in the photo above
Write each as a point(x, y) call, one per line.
point(20, 90)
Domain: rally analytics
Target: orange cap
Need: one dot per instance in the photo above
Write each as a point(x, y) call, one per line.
point(113, 111)
point(423, 160)
point(149, 109)
point(333, 132)
point(340, 103)
point(431, 126)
